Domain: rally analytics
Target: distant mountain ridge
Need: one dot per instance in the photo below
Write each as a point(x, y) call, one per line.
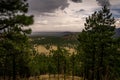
point(57, 34)
point(65, 34)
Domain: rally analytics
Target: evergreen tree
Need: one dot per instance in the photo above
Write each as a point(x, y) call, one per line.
point(99, 48)
point(60, 58)
point(14, 43)
point(12, 14)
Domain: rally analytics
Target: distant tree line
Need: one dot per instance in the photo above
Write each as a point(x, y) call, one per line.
point(53, 40)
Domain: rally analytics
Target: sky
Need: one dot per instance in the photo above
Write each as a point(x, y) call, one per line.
point(67, 15)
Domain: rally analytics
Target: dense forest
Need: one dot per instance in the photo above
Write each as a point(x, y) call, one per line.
point(96, 56)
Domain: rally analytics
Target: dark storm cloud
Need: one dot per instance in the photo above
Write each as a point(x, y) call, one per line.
point(77, 0)
point(100, 2)
point(103, 2)
point(47, 5)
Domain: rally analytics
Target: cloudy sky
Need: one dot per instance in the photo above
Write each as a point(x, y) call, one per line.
point(67, 15)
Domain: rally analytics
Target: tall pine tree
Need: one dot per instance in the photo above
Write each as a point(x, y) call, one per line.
point(100, 54)
point(14, 43)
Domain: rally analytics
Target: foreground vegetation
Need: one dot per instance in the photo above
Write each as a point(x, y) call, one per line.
point(100, 57)
point(97, 54)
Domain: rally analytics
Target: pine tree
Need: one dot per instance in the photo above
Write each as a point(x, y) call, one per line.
point(12, 14)
point(13, 20)
point(60, 61)
point(99, 48)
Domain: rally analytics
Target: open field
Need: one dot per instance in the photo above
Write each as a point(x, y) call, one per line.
point(43, 44)
point(43, 49)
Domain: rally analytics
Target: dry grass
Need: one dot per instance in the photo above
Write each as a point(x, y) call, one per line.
point(54, 77)
point(42, 49)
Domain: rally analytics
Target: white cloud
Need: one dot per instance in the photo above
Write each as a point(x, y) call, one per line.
point(69, 19)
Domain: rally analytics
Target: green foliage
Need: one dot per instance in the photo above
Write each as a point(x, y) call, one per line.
point(59, 57)
point(99, 50)
point(53, 40)
point(38, 64)
point(58, 62)
point(15, 46)
point(12, 14)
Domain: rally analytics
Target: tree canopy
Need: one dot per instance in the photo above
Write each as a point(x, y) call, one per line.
point(98, 47)
point(14, 43)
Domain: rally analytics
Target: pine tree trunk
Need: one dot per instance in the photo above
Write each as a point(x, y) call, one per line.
point(5, 68)
point(73, 68)
point(65, 70)
point(93, 67)
point(101, 64)
point(49, 76)
point(58, 66)
point(14, 69)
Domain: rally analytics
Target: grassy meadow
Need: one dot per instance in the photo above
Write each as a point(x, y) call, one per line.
point(43, 49)
point(43, 44)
